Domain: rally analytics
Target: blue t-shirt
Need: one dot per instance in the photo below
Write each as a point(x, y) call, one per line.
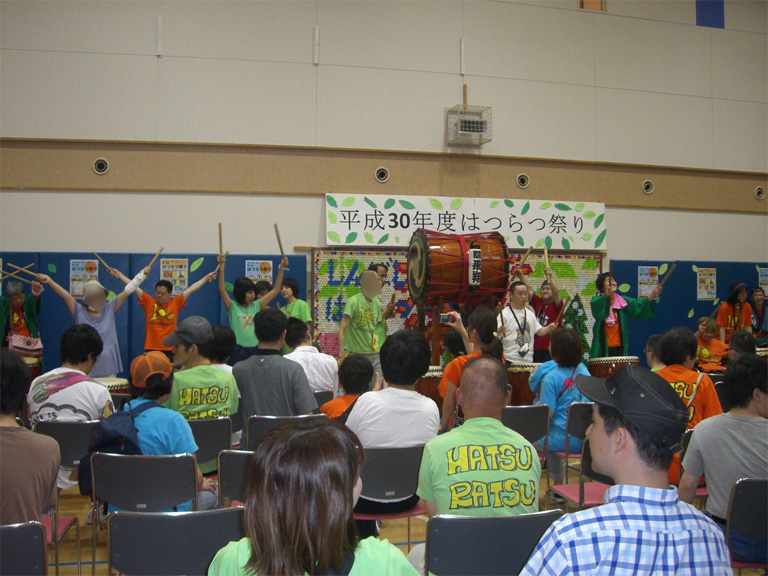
point(551, 387)
point(534, 382)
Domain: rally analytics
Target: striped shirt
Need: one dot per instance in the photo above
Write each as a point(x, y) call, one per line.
point(637, 531)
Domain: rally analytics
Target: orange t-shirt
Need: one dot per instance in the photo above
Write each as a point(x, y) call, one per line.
point(613, 335)
point(336, 407)
point(161, 321)
point(710, 355)
point(726, 318)
point(702, 401)
point(452, 372)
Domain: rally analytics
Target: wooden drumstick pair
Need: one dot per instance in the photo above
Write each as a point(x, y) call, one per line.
point(108, 267)
point(7, 275)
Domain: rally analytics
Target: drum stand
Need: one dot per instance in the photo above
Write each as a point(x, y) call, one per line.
point(434, 332)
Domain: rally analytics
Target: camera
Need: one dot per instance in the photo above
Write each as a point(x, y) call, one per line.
point(445, 318)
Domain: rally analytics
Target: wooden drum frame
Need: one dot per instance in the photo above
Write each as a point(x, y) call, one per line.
point(35, 366)
point(115, 385)
point(604, 367)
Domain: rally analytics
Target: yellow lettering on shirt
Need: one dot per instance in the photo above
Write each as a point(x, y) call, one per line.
point(477, 458)
point(496, 494)
point(202, 396)
point(458, 463)
point(473, 458)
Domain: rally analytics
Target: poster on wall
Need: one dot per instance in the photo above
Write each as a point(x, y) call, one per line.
point(258, 270)
point(80, 272)
point(706, 283)
point(763, 278)
point(389, 221)
point(647, 280)
point(176, 271)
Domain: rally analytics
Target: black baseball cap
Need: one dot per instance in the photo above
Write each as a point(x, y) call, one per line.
point(194, 330)
point(644, 398)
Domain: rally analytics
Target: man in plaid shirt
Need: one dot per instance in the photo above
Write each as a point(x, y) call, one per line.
point(643, 528)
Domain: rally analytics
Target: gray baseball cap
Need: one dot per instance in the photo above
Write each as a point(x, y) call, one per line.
point(195, 330)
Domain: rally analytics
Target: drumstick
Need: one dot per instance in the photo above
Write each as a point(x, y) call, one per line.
point(99, 258)
point(667, 275)
point(221, 242)
point(12, 275)
point(546, 257)
point(219, 266)
point(25, 269)
point(279, 243)
point(528, 253)
point(156, 256)
point(562, 310)
point(716, 310)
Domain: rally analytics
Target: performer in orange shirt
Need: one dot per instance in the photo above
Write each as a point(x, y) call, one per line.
point(735, 313)
point(711, 351)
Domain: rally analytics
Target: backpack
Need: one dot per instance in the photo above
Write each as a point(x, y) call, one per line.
point(116, 434)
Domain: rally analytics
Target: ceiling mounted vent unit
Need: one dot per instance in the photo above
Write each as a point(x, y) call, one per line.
point(469, 125)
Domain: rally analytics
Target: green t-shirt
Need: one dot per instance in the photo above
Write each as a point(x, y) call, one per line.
point(481, 468)
point(299, 309)
point(201, 393)
point(381, 327)
point(364, 317)
point(241, 322)
point(373, 557)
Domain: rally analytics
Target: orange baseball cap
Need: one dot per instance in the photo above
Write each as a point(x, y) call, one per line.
point(148, 364)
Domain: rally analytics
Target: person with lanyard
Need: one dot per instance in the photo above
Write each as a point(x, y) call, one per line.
point(547, 308)
point(19, 311)
point(735, 313)
point(759, 317)
point(518, 325)
point(610, 334)
point(362, 314)
point(381, 270)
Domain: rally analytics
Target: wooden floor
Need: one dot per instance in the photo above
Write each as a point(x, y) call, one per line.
point(71, 503)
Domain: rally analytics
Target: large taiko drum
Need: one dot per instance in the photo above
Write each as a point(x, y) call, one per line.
point(35, 366)
point(518, 376)
point(428, 385)
point(440, 266)
point(762, 352)
point(604, 367)
point(115, 385)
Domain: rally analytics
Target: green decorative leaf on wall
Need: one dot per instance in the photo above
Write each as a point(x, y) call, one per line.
point(716, 302)
point(600, 238)
point(525, 209)
point(351, 237)
point(383, 239)
point(624, 288)
point(695, 268)
point(370, 202)
point(521, 240)
point(562, 207)
point(389, 203)
point(599, 220)
point(331, 200)
point(540, 243)
point(545, 205)
point(437, 205)
point(579, 207)
point(332, 218)
point(111, 296)
point(369, 237)
point(334, 236)
point(663, 269)
point(228, 286)
point(456, 203)
point(348, 201)
point(407, 205)
point(586, 236)
point(566, 244)
point(494, 203)
point(509, 203)
point(589, 214)
point(548, 242)
point(196, 264)
point(52, 268)
point(690, 313)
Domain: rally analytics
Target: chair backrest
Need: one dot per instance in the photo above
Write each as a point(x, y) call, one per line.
point(170, 543)
point(725, 403)
point(238, 423)
point(578, 420)
point(118, 399)
point(73, 438)
point(391, 473)
point(748, 509)
point(23, 549)
point(684, 445)
point(531, 422)
point(258, 426)
point(233, 466)
point(211, 436)
point(144, 483)
point(323, 396)
point(497, 545)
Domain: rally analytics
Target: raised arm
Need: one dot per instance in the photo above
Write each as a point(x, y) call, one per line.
point(211, 276)
point(69, 300)
point(222, 260)
point(458, 325)
point(524, 280)
point(556, 298)
point(131, 287)
point(389, 309)
point(272, 294)
point(115, 273)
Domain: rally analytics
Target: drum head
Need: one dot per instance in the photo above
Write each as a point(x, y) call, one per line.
point(418, 266)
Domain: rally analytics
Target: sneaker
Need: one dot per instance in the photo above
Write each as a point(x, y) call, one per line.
point(557, 498)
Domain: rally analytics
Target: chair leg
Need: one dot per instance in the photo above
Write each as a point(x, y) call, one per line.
point(409, 533)
point(95, 525)
point(77, 535)
point(55, 539)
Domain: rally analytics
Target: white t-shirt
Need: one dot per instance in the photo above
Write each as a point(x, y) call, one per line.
point(322, 370)
point(223, 367)
point(526, 320)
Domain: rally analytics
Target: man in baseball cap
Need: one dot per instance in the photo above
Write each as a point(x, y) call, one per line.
point(643, 528)
point(191, 333)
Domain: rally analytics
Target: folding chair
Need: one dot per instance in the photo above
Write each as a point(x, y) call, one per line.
point(170, 543)
point(701, 491)
point(22, 549)
point(484, 546)
point(323, 396)
point(233, 466)
point(578, 420)
point(238, 423)
point(258, 426)
point(590, 490)
point(132, 483)
point(119, 399)
point(56, 527)
point(211, 436)
point(392, 474)
point(531, 422)
point(748, 516)
point(725, 403)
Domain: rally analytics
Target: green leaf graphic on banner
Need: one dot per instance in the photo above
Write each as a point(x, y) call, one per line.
point(526, 208)
point(599, 220)
point(521, 241)
point(663, 269)
point(52, 268)
point(600, 238)
point(494, 203)
point(436, 204)
point(351, 237)
point(196, 264)
point(397, 239)
point(548, 242)
point(407, 205)
point(546, 206)
point(383, 239)
point(757, 268)
point(370, 202)
point(456, 203)
point(509, 203)
point(566, 244)
point(690, 313)
point(589, 214)
point(624, 288)
point(580, 206)
point(716, 301)
point(332, 218)
point(562, 207)
point(228, 286)
point(540, 243)
point(348, 201)
point(334, 236)
point(331, 200)
point(586, 236)
point(695, 268)
point(369, 237)
point(389, 203)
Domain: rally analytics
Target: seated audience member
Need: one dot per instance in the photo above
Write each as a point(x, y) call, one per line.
point(652, 353)
point(453, 481)
point(759, 317)
point(163, 431)
point(696, 390)
point(355, 374)
point(454, 346)
point(397, 416)
point(735, 313)
point(558, 391)
point(269, 384)
point(66, 394)
point(29, 462)
point(742, 342)
point(643, 528)
point(221, 347)
point(320, 369)
point(200, 391)
point(300, 489)
point(728, 447)
point(711, 351)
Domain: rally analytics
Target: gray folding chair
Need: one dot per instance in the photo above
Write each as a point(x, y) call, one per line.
point(531, 422)
point(233, 467)
point(141, 484)
point(258, 426)
point(576, 424)
point(725, 403)
point(22, 549)
point(748, 516)
point(211, 436)
point(323, 396)
point(702, 493)
point(170, 543)
point(591, 488)
point(480, 546)
point(118, 399)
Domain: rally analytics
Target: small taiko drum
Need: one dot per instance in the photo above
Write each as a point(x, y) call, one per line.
point(35, 366)
point(457, 268)
point(604, 367)
point(762, 352)
point(115, 385)
point(518, 376)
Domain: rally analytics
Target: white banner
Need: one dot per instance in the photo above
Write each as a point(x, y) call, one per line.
point(357, 220)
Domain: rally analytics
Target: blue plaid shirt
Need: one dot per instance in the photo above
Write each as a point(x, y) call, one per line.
point(637, 531)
